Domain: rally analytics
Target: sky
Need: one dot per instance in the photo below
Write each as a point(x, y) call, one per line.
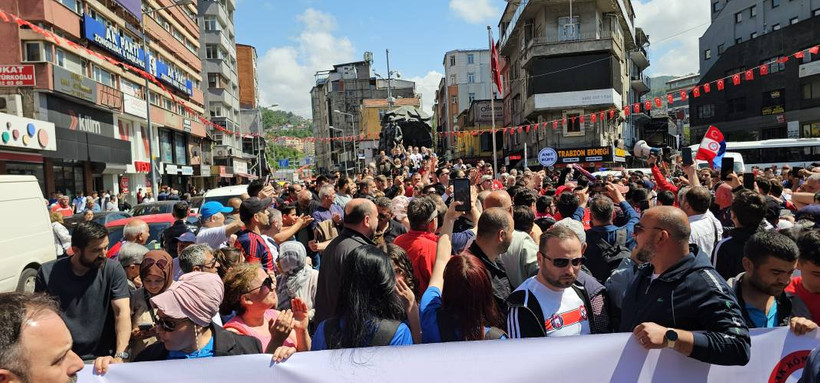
point(296, 38)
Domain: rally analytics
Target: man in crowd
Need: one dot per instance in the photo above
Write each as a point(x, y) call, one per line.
point(233, 215)
point(706, 322)
point(327, 209)
point(130, 258)
point(706, 229)
point(748, 210)
point(198, 257)
point(608, 244)
point(62, 207)
point(494, 236)
point(135, 231)
point(214, 231)
point(344, 191)
point(769, 259)
point(93, 294)
point(170, 235)
point(360, 221)
point(443, 183)
point(520, 259)
point(804, 290)
point(551, 303)
point(420, 242)
point(291, 224)
point(388, 229)
point(36, 345)
point(79, 202)
point(254, 213)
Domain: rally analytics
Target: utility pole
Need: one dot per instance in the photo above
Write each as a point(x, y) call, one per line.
point(389, 78)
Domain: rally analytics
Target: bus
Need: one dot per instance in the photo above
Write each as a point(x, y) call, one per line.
point(797, 152)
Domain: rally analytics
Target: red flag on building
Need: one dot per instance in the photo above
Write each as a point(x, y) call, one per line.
point(707, 88)
point(736, 79)
point(611, 114)
point(750, 75)
point(658, 102)
point(647, 105)
point(555, 125)
point(496, 69)
point(696, 92)
point(683, 95)
point(720, 84)
point(592, 117)
point(670, 98)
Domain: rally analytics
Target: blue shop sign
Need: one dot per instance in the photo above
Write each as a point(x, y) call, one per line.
point(130, 51)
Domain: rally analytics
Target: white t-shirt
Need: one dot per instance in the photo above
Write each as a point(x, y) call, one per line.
point(213, 236)
point(564, 312)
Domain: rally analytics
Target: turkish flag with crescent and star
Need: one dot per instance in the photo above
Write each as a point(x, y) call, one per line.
point(712, 147)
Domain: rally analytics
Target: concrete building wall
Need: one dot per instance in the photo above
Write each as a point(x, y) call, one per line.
point(248, 79)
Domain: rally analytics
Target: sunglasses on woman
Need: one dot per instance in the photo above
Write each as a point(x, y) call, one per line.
point(162, 263)
point(268, 282)
point(169, 324)
point(564, 262)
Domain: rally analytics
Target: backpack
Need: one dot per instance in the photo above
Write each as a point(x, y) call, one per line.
point(602, 257)
point(446, 329)
point(530, 319)
point(384, 333)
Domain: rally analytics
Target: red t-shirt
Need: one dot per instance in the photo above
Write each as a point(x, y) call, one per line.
point(65, 211)
point(421, 249)
point(812, 300)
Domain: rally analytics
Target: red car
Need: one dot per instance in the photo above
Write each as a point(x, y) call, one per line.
point(157, 223)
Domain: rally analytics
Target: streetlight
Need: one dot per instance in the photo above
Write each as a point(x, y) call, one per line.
point(259, 137)
point(355, 134)
point(340, 132)
point(148, 91)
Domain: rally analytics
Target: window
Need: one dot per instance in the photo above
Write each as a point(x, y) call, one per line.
point(164, 23)
point(178, 35)
point(472, 97)
point(811, 91)
point(706, 111)
point(793, 20)
point(716, 7)
point(707, 54)
point(166, 148)
point(738, 40)
point(452, 79)
point(212, 51)
point(74, 5)
point(455, 99)
point(211, 23)
point(573, 123)
point(168, 104)
point(775, 3)
point(753, 35)
point(738, 17)
point(190, 46)
point(569, 29)
point(155, 99)
point(470, 58)
point(776, 27)
point(471, 78)
point(736, 105)
point(131, 88)
point(753, 10)
point(774, 65)
point(37, 51)
point(452, 60)
point(103, 76)
point(816, 12)
point(721, 49)
point(70, 61)
point(214, 80)
point(180, 149)
point(216, 110)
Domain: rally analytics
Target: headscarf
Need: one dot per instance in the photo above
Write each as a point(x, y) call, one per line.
point(158, 263)
point(292, 256)
point(195, 296)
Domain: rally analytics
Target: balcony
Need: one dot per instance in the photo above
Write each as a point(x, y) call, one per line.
point(214, 8)
point(221, 95)
point(640, 83)
point(220, 38)
point(217, 66)
point(545, 46)
point(638, 57)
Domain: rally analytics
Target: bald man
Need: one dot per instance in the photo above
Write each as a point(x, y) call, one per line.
point(360, 221)
point(135, 231)
point(521, 259)
point(493, 238)
point(678, 300)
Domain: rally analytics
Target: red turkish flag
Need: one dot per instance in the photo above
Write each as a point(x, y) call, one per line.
point(783, 59)
point(696, 92)
point(707, 88)
point(647, 105)
point(603, 115)
point(582, 119)
point(764, 69)
point(814, 50)
point(670, 98)
point(636, 108)
point(626, 110)
point(564, 121)
point(658, 102)
point(720, 84)
point(750, 75)
point(475, 132)
point(592, 118)
point(798, 55)
point(611, 114)
point(520, 129)
point(683, 95)
point(505, 130)
point(555, 125)
point(527, 128)
point(736, 79)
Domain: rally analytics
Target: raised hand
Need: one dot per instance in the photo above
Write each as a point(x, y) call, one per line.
point(300, 314)
point(407, 296)
point(280, 328)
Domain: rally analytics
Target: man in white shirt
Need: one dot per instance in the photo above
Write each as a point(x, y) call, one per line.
point(214, 232)
point(551, 303)
point(706, 228)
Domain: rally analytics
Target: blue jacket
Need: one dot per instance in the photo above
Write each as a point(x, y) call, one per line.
point(691, 296)
point(608, 232)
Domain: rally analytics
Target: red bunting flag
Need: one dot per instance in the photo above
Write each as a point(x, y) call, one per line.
point(683, 95)
point(736, 79)
point(520, 129)
point(720, 84)
point(750, 75)
point(564, 121)
point(555, 125)
point(636, 108)
point(814, 50)
point(658, 102)
point(582, 119)
point(707, 87)
point(647, 105)
point(798, 55)
point(527, 128)
point(611, 114)
point(592, 117)
point(783, 59)
point(626, 110)
point(603, 115)
point(505, 130)
point(670, 98)
point(696, 92)
point(764, 69)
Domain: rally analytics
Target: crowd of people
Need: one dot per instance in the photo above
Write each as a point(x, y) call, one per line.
point(679, 257)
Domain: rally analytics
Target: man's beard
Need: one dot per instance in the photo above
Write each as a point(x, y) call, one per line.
point(644, 255)
point(773, 290)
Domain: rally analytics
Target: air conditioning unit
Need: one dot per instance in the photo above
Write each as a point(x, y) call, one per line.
point(11, 104)
point(220, 153)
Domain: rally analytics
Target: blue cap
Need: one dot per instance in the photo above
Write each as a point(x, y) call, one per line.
point(210, 208)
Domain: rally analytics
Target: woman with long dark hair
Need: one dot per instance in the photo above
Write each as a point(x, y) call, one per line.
point(458, 304)
point(371, 310)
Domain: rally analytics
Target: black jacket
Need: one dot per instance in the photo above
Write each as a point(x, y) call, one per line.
point(170, 235)
point(690, 296)
point(226, 343)
point(498, 277)
point(729, 252)
point(330, 271)
point(784, 304)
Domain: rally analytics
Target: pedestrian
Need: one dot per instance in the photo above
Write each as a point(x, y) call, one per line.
point(255, 215)
point(297, 279)
point(156, 273)
point(130, 258)
point(62, 239)
point(804, 290)
point(214, 232)
point(170, 236)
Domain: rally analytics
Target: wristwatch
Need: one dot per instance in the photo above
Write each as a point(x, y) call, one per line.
point(122, 355)
point(671, 337)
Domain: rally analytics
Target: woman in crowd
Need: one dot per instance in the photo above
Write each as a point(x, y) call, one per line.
point(401, 266)
point(399, 208)
point(251, 293)
point(297, 280)
point(62, 239)
point(227, 258)
point(458, 304)
point(88, 215)
point(156, 274)
point(369, 311)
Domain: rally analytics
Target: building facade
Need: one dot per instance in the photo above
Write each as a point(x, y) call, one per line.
point(248, 77)
point(785, 103)
point(565, 59)
point(98, 109)
point(678, 112)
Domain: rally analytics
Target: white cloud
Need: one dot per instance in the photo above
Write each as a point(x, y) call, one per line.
point(286, 72)
point(474, 11)
point(665, 20)
point(426, 86)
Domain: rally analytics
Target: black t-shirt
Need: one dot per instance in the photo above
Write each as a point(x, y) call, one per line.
point(86, 303)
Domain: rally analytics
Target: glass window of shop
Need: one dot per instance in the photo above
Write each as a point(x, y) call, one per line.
point(24, 169)
point(173, 147)
point(68, 178)
point(166, 148)
point(180, 149)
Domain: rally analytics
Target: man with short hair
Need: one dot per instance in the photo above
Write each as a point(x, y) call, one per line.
point(443, 175)
point(769, 259)
point(130, 258)
point(388, 229)
point(327, 209)
point(706, 322)
point(93, 294)
point(553, 302)
point(607, 244)
point(199, 257)
point(706, 229)
point(214, 231)
point(233, 215)
point(254, 213)
point(520, 259)
point(344, 191)
point(804, 290)
point(420, 242)
point(169, 236)
point(135, 231)
point(360, 221)
point(493, 238)
point(62, 207)
point(748, 210)
point(36, 344)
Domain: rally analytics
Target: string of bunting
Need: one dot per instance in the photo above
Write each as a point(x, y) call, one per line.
point(602, 116)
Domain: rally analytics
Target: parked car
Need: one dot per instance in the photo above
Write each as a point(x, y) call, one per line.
point(223, 194)
point(157, 223)
point(101, 218)
point(26, 236)
point(159, 207)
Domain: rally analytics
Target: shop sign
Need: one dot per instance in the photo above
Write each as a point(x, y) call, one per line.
point(109, 97)
point(74, 84)
point(17, 75)
point(594, 154)
point(72, 116)
point(171, 169)
point(186, 170)
point(773, 102)
point(25, 133)
point(142, 167)
point(240, 167)
point(134, 106)
point(123, 182)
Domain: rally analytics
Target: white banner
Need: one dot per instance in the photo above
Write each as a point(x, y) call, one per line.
point(777, 356)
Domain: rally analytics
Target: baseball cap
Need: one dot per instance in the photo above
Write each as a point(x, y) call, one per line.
point(252, 206)
point(212, 207)
point(195, 296)
point(187, 237)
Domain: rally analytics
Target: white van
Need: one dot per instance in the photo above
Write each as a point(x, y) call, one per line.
point(223, 194)
point(26, 237)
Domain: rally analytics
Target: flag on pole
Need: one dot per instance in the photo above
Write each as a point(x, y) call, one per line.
point(712, 147)
point(495, 67)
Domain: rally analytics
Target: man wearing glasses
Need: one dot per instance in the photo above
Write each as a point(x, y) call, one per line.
point(551, 303)
point(678, 300)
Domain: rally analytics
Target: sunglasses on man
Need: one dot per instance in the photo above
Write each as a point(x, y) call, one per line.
point(564, 262)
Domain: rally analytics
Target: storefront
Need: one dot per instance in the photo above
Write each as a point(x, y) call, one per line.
point(23, 142)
